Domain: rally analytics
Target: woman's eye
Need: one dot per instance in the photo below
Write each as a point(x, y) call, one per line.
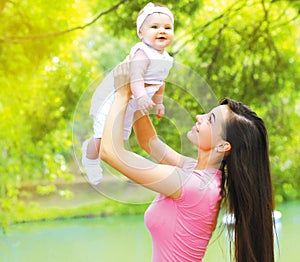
point(209, 118)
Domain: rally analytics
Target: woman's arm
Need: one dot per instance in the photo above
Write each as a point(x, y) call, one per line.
point(149, 141)
point(164, 179)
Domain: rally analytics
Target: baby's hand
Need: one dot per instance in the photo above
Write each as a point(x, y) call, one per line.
point(144, 104)
point(159, 110)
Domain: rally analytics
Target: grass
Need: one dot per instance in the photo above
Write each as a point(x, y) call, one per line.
point(112, 198)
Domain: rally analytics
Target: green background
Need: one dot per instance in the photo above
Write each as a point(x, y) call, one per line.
point(51, 52)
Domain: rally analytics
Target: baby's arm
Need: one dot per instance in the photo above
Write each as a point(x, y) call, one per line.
point(158, 100)
point(138, 67)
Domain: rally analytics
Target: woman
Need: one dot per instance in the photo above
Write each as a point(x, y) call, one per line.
point(232, 164)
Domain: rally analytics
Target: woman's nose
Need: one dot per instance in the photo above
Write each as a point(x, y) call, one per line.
point(199, 118)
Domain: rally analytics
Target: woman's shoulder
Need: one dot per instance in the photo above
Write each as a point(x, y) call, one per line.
point(208, 177)
point(189, 164)
point(201, 184)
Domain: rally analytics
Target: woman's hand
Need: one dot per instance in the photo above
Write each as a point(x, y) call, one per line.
point(122, 79)
point(144, 104)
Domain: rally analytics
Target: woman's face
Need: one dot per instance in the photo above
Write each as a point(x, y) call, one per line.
point(206, 134)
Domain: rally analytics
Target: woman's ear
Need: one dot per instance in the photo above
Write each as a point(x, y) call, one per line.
point(226, 146)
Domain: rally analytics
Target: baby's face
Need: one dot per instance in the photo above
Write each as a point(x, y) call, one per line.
point(157, 31)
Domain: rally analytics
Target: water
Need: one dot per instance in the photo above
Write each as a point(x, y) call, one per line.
point(99, 239)
point(119, 239)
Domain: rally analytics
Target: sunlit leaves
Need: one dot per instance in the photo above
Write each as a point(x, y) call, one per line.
point(247, 50)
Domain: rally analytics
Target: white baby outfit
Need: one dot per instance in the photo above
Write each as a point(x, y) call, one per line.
point(156, 73)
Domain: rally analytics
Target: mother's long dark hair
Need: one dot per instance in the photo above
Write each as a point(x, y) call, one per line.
point(247, 184)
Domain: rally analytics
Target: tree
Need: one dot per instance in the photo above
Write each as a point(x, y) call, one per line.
point(49, 56)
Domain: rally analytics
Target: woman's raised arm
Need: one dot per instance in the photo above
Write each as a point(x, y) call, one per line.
point(164, 179)
point(149, 141)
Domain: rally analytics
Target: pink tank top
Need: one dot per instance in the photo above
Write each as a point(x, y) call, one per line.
point(182, 228)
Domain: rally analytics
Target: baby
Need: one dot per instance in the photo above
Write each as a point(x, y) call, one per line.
point(149, 67)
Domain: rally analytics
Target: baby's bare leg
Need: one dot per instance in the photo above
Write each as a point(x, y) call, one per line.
point(91, 161)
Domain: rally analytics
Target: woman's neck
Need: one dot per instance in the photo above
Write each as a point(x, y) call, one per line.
point(208, 159)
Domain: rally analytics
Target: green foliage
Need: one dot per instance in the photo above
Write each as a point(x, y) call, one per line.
point(45, 190)
point(51, 52)
point(33, 212)
point(41, 81)
point(254, 59)
point(117, 22)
